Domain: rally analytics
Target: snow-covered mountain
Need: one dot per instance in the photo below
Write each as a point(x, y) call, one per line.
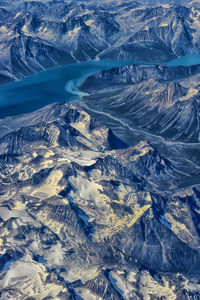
point(36, 35)
point(80, 216)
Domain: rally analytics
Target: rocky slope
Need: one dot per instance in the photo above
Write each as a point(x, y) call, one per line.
point(160, 100)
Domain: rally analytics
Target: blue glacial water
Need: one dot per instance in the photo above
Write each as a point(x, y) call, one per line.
point(187, 60)
point(53, 85)
point(60, 84)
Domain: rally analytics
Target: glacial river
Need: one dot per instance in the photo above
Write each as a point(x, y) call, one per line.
point(60, 84)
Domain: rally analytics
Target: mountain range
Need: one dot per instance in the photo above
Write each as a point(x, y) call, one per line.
point(37, 35)
point(80, 216)
point(100, 197)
